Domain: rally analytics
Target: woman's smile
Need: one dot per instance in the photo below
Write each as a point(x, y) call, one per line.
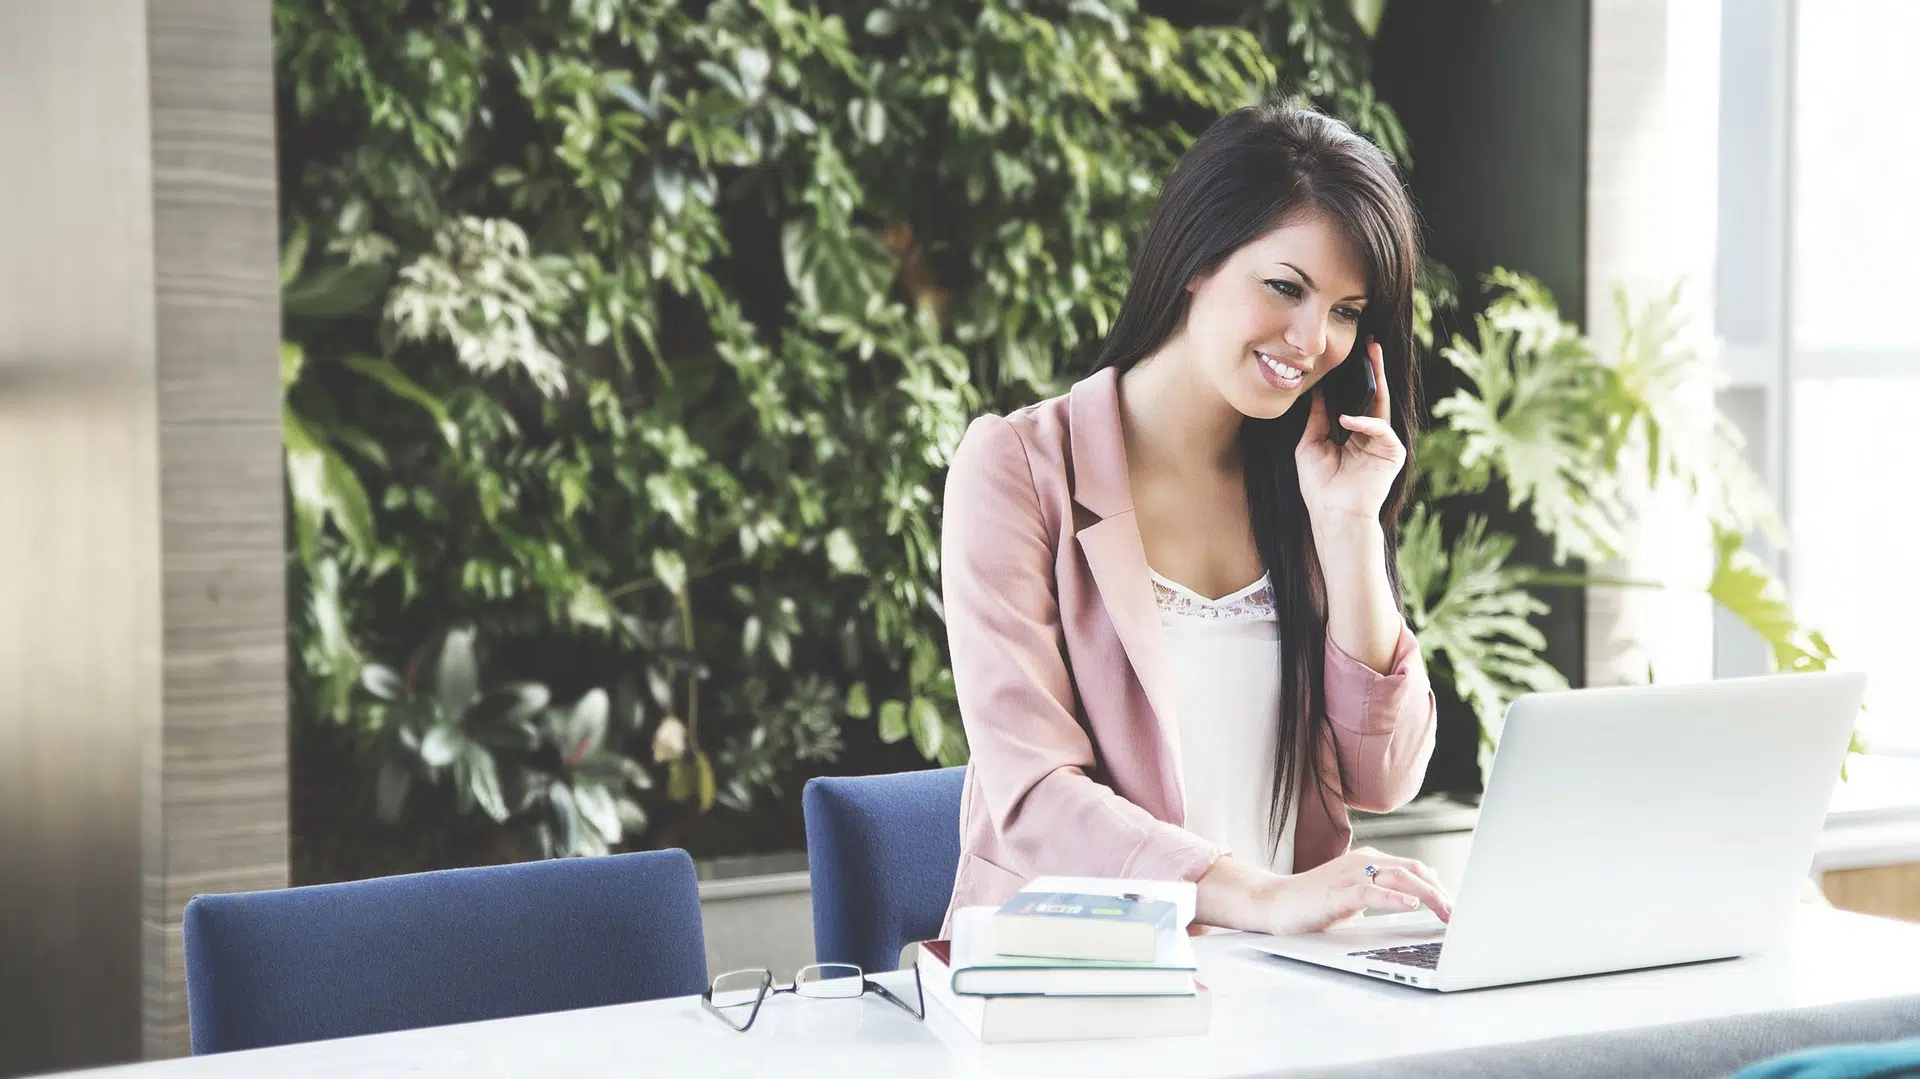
point(1279, 375)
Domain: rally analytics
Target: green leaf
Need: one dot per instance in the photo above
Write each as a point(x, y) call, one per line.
point(882, 22)
point(573, 494)
point(500, 734)
point(1668, 384)
point(323, 487)
point(598, 809)
point(633, 816)
point(671, 569)
point(1742, 584)
point(1367, 14)
point(383, 682)
point(566, 815)
point(1471, 610)
point(390, 791)
point(858, 706)
point(928, 729)
point(843, 554)
point(635, 774)
point(659, 687)
point(869, 119)
point(586, 726)
point(893, 721)
point(680, 779)
point(388, 376)
point(457, 673)
point(703, 771)
point(673, 496)
point(363, 444)
point(590, 607)
point(753, 65)
point(953, 752)
point(442, 745)
point(347, 502)
point(337, 661)
point(504, 715)
point(629, 711)
point(294, 254)
point(926, 661)
point(520, 701)
point(616, 84)
point(483, 777)
point(838, 272)
point(306, 490)
point(292, 359)
point(1539, 409)
point(337, 290)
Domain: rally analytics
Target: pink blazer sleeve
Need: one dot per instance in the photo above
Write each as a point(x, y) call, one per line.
point(1031, 757)
point(1382, 724)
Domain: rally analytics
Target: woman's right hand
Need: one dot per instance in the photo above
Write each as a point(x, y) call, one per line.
point(1328, 895)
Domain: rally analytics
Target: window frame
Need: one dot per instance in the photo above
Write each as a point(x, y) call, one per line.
point(1754, 287)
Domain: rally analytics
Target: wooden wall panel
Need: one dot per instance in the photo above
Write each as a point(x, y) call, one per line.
point(222, 799)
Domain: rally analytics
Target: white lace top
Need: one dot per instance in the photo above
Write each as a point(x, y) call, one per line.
point(1226, 663)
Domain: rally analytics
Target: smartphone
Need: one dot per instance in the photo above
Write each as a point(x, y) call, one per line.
point(1350, 388)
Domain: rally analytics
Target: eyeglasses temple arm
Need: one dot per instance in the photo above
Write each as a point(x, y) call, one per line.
point(917, 1013)
point(706, 1001)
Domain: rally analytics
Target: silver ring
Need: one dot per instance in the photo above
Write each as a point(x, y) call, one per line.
point(1371, 871)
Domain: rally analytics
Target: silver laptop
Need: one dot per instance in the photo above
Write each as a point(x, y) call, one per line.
point(1623, 828)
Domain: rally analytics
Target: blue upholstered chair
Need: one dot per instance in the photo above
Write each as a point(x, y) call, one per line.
point(882, 851)
point(427, 949)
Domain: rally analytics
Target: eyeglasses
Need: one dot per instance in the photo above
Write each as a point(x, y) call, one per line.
point(736, 996)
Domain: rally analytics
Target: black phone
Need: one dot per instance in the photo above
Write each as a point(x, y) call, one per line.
point(1350, 388)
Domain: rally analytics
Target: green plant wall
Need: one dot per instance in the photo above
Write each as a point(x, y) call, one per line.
point(627, 344)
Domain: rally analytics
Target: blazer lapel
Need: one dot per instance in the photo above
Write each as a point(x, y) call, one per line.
point(1118, 560)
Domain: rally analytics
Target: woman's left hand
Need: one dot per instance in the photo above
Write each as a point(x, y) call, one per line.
point(1350, 482)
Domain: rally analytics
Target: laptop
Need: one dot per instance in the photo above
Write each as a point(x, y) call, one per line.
point(1624, 828)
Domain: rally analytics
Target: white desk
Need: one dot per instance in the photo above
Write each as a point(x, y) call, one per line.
point(1270, 1017)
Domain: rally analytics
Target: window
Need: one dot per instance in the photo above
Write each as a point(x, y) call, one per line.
point(1856, 186)
point(1819, 222)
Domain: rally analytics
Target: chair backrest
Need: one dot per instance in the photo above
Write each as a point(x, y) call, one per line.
point(882, 851)
point(427, 949)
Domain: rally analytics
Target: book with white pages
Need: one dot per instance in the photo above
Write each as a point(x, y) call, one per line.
point(1029, 1018)
point(977, 970)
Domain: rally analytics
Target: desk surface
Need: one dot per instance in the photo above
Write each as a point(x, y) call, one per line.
point(1270, 1016)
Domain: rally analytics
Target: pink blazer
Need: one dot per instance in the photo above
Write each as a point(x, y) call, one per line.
point(1063, 683)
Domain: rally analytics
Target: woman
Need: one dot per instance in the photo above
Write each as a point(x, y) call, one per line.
point(1171, 596)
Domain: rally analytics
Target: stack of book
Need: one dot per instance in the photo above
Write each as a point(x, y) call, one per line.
point(1072, 959)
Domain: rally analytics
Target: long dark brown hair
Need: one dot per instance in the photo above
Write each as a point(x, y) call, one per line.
point(1257, 169)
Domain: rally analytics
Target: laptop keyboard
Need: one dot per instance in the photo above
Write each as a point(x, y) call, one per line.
point(1424, 956)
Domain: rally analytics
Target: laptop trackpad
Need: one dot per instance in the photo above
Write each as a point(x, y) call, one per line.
point(1359, 935)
